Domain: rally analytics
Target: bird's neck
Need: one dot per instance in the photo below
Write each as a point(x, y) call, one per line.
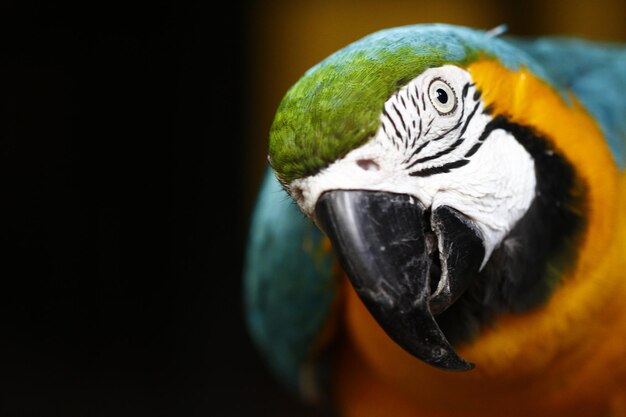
point(549, 358)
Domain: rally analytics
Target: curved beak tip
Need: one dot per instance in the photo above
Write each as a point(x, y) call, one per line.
point(381, 241)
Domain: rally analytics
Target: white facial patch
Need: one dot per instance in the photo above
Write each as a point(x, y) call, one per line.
point(435, 143)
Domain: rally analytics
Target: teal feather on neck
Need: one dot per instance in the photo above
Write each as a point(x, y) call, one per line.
point(288, 282)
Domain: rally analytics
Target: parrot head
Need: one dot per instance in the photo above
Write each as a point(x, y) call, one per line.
point(445, 208)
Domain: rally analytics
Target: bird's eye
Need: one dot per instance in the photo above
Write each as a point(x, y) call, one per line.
point(442, 96)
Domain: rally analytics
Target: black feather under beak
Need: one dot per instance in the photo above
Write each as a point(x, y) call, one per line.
point(404, 266)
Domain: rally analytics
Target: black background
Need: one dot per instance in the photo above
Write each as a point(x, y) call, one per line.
point(122, 227)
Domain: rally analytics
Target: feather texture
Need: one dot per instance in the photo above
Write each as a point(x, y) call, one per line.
point(289, 285)
point(595, 73)
point(540, 351)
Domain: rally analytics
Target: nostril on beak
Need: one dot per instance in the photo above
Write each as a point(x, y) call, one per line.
point(368, 164)
point(297, 193)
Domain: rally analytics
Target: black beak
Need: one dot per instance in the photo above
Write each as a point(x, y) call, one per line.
point(390, 254)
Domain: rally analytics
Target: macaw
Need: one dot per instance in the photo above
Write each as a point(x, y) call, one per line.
point(442, 231)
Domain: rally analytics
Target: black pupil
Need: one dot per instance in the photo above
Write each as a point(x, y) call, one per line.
point(442, 96)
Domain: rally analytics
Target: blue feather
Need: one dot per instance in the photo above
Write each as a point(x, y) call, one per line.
point(452, 43)
point(596, 73)
point(288, 282)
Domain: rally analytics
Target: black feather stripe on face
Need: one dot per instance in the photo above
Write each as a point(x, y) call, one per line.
point(523, 271)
